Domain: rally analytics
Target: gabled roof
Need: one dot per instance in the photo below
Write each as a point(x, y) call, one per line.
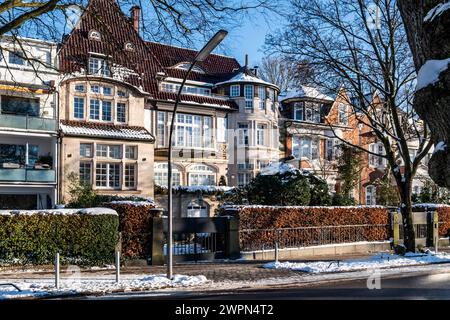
point(305, 92)
point(145, 61)
point(105, 130)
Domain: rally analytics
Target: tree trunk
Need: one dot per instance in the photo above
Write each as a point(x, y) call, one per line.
point(430, 40)
point(409, 234)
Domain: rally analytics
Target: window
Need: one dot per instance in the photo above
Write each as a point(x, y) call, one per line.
point(305, 147)
point(376, 161)
point(272, 98)
point(131, 152)
point(245, 165)
point(85, 173)
point(115, 152)
point(98, 66)
point(207, 132)
point(243, 134)
point(201, 175)
point(417, 190)
point(107, 175)
point(330, 149)
point(298, 111)
point(121, 112)
point(86, 150)
point(235, 90)
point(94, 35)
point(262, 98)
point(189, 130)
point(78, 108)
point(20, 106)
point(101, 150)
point(17, 57)
point(260, 129)
point(121, 94)
point(106, 110)
point(160, 128)
point(94, 110)
point(107, 91)
point(161, 178)
point(370, 196)
point(130, 175)
point(261, 164)
point(248, 93)
point(171, 87)
point(17, 153)
point(79, 88)
point(95, 88)
point(244, 179)
point(343, 114)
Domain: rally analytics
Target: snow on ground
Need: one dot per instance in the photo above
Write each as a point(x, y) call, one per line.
point(380, 260)
point(39, 288)
point(86, 211)
point(430, 71)
point(437, 11)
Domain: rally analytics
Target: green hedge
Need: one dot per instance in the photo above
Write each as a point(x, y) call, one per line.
point(80, 238)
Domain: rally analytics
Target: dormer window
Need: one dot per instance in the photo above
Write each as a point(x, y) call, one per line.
point(187, 65)
point(95, 35)
point(98, 66)
point(129, 46)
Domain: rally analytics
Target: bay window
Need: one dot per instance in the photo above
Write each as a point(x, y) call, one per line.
point(201, 175)
point(121, 112)
point(243, 134)
point(78, 108)
point(248, 94)
point(107, 175)
point(161, 175)
point(260, 130)
point(262, 98)
point(160, 128)
point(235, 90)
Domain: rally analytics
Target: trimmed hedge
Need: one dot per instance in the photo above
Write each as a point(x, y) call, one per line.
point(135, 224)
point(267, 217)
point(35, 236)
point(444, 220)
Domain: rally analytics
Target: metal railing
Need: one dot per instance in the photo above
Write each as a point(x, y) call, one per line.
point(27, 175)
point(195, 243)
point(421, 231)
point(262, 239)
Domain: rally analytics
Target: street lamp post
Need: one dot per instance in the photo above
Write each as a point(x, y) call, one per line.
point(201, 56)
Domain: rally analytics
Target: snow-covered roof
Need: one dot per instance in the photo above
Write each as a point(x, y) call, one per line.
point(81, 128)
point(87, 211)
point(304, 92)
point(244, 77)
point(278, 167)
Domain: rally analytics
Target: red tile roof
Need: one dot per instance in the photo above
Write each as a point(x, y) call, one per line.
point(105, 130)
point(147, 59)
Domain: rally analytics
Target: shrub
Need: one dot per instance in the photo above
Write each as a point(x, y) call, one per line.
point(35, 237)
point(134, 226)
point(342, 200)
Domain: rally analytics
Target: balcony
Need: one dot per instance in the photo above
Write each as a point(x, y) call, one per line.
point(27, 175)
point(27, 122)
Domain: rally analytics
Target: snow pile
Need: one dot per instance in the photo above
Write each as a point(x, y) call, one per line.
point(278, 168)
point(304, 91)
point(87, 211)
point(380, 260)
point(430, 205)
point(430, 71)
point(133, 203)
point(99, 286)
point(436, 11)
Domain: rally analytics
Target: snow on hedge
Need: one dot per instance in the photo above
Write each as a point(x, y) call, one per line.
point(436, 11)
point(133, 203)
point(86, 211)
point(205, 189)
point(39, 288)
point(430, 71)
point(380, 260)
point(430, 205)
point(257, 206)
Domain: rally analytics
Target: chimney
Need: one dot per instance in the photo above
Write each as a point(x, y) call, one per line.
point(246, 61)
point(135, 15)
point(255, 70)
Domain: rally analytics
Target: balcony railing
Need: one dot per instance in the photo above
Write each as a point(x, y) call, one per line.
point(27, 122)
point(27, 175)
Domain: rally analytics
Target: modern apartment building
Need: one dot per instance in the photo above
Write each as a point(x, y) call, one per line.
point(28, 124)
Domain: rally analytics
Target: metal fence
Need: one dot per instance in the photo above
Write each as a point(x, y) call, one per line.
point(261, 239)
point(195, 243)
point(420, 229)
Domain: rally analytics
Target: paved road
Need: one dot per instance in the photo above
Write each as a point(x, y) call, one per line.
point(423, 286)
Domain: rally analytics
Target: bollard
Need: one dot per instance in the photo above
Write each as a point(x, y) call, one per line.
point(57, 270)
point(276, 251)
point(117, 266)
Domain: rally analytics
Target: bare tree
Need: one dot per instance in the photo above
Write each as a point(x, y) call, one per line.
point(279, 70)
point(362, 48)
point(427, 24)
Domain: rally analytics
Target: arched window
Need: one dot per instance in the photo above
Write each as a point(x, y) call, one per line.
point(187, 65)
point(197, 209)
point(370, 196)
point(202, 175)
point(95, 35)
point(161, 175)
point(129, 46)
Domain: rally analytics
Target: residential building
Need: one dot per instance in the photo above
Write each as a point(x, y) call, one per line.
point(28, 125)
point(253, 138)
point(107, 73)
